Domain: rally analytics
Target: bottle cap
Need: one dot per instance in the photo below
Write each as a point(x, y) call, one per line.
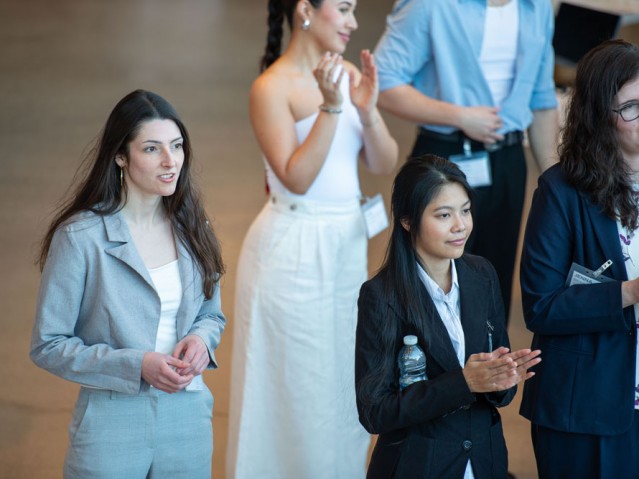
point(410, 340)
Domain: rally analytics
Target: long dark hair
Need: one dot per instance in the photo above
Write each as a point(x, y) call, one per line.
point(417, 183)
point(99, 188)
point(277, 10)
point(589, 153)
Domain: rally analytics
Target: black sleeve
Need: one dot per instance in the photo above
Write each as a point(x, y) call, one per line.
point(497, 318)
point(389, 408)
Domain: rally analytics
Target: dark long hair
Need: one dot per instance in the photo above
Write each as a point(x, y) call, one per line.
point(277, 10)
point(589, 153)
point(99, 189)
point(417, 183)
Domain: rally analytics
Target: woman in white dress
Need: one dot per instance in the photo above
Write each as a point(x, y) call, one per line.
point(293, 411)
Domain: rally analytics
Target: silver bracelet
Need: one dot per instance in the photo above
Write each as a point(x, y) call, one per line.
point(327, 109)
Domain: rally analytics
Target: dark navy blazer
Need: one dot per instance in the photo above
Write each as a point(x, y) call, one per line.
point(585, 382)
point(431, 428)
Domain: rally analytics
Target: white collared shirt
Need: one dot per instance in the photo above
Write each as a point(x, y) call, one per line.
point(449, 310)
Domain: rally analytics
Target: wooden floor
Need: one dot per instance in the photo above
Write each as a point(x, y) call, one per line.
point(63, 66)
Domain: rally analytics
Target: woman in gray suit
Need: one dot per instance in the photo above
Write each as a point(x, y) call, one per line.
point(129, 302)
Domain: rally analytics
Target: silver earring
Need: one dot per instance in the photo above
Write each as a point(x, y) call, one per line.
point(121, 177)
point(306, 24)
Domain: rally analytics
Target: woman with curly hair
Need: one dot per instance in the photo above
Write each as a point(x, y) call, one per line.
point(579, 279)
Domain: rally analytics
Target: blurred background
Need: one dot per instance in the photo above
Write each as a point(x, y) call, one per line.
point(63, 66)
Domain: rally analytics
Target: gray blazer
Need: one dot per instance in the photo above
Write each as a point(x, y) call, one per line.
point(98, 311)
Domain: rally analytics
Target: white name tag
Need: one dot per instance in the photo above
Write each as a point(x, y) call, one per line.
point(375, 215)
point(581, 275)
point(476, 167)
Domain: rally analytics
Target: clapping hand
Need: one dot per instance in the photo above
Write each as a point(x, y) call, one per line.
point(364, 93)
point(328, 79)
point(499, 370)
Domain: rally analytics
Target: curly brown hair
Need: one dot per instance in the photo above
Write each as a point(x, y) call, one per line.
point(589, 153)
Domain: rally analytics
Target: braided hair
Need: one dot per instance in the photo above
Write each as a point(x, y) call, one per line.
point(277, 10)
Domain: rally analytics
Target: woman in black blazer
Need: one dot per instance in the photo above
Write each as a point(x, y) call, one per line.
point(448, 425)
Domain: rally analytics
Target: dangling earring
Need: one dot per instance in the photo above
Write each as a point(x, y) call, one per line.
point(121, 177)
point(306, 24)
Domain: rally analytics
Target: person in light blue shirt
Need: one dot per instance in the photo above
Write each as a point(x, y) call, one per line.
point(474, 75)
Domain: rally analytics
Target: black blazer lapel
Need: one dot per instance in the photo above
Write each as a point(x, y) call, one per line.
point(475, 296)
point(435, 335)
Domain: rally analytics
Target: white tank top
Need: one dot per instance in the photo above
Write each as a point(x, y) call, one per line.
point(499, 49)
point(337, 180)
point(169, 288)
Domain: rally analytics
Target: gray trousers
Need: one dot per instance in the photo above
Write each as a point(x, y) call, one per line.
point(150, 435)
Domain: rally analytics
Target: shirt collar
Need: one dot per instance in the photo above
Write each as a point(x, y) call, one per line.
point(433, 288)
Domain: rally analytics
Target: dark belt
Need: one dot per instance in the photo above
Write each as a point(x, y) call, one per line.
point(511, 138)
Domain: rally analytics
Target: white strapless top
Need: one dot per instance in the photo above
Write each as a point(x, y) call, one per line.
point(337, 180)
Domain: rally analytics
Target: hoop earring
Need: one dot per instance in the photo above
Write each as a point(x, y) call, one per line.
point(306, 24)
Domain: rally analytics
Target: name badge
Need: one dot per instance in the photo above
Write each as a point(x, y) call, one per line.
point(375, 215)
point(581, 275)
point(476, 166)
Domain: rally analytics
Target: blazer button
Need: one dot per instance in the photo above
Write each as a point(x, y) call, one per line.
point(467, 445)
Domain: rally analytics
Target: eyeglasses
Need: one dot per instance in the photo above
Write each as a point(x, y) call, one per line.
point(629, 112)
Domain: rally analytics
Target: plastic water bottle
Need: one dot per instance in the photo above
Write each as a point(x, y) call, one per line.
point(411, 362)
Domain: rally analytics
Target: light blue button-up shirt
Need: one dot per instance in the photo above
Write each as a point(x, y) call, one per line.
point(434, 45)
